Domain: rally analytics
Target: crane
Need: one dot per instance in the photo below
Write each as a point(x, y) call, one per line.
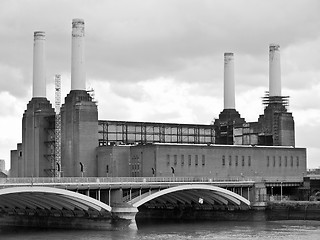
point(57, 125)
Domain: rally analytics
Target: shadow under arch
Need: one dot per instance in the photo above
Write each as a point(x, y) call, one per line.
point(46, 200)
point(185, 193)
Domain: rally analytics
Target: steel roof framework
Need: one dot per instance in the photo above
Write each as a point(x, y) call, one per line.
point(123, 132)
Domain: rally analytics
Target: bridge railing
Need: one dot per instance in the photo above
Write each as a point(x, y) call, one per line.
point(283, 179)
point(110, 180)
point(70, 180)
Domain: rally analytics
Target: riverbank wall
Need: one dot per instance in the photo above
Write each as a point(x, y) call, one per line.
point(293, 210)
point(270, 211)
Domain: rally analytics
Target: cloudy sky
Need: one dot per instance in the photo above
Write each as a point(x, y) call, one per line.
point(162, 61)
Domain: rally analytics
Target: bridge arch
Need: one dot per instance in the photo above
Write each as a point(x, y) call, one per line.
point(194, 192)
point(48, 200)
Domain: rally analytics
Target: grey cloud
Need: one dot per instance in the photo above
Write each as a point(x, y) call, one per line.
point(144, 50)
point(156, 38)
point(129, 90)
point(306, 137)
point(159, 116)
point(13, 81)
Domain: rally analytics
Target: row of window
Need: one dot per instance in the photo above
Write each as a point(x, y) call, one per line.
point(275, 161)
point(237, 161)
point(189, 158)
point(135, 166)
point(227, 160)
point(282, 161)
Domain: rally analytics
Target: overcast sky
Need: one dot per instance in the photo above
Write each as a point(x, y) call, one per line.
point(162, 60)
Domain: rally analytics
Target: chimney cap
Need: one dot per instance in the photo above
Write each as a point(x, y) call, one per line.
point(228, 54)
point(39, 35)
point(77, 21)
point(274, 46)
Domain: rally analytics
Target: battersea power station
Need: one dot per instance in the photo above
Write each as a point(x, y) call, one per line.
point(70, 141)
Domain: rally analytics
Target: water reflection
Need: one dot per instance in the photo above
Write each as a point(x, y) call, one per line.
point(293, 230)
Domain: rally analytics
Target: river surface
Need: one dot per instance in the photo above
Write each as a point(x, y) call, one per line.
point(292, 230)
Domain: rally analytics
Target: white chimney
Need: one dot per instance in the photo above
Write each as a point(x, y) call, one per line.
point(229, 92)
point(274, 70)
point(39, 65)
point(78, 74)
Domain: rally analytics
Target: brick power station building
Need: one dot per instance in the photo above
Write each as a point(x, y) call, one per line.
point(229, 148)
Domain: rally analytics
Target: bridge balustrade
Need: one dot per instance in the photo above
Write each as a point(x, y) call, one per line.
point(69, 180)
point(117, 180)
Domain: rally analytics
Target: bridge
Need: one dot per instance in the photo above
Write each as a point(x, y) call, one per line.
point(120, 198)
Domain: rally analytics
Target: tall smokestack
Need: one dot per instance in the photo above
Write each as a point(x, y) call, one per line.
point(78, 75)
point(229, 93)
point(274, 70)
point(39, 65)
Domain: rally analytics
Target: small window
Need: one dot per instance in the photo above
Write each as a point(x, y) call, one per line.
point(249, 161)
point(286, 161)
point(175, 159)
point(189, 160)
point(268, 161)
point(236, 161)
point(203, 160)
point(243, 161)
point(297, 161)
point(230, 160)
point(274, 161)
point(280, 162)
point(223, 161)
point(196, 160)
point(168, 159)
point(182, 160)
point(20, 153)
point(291, 161)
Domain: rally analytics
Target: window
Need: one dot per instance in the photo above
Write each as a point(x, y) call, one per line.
point(236, 160)
point(203, 160)
point(189, 160)
point(20, 153)
point(196, 160)
point(249, 161)
point(291, 161)
point(182, 160)
point(286, 161)
point(268, 161)
point(223, 161)
point(242, 161)
point(168, 159)
point(297, 161)
point(280, 163)
point(175, 159)
point(230, 160)
point(274, 161)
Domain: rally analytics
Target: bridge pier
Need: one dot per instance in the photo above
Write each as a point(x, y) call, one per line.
point(259, 202)
point(116, 197)
point(125, 213)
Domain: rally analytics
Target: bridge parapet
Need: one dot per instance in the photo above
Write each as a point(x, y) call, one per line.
point(117, 180)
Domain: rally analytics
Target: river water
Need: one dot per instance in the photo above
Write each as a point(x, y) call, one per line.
point(261, 230)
